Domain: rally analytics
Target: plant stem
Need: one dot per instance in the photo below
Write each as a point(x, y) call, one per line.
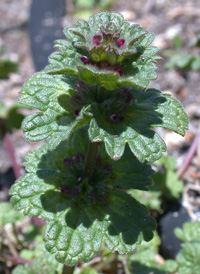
point(11, 152)
point(90, 160)
point(68, 269)
point(189, 156)
point(15, 260)
point(111, 259)
point(125, 264)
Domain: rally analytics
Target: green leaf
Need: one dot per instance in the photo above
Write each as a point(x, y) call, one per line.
point(196, 41)
point(46, 263)
point(3, 110)
point(156, 109)
point(188, 258)
point(144, 143)
point(144, 262)
point(51, 95)
point(14, 118)
point(6, 67)
point(10, 118)
point(170, 266)
point(189, 232)
point(168, 180)
point(153, 244)
point(109, 64)
point(65, 60)
point(166, 184)
point(8, 215)
point(180, 61)
point(33, 239)
point(150, 198)
point(23, 269)
point(88, 270)
point(86, 214)
point(85, 4)
point(196, 64)
point(130, 173)
point(152, 109)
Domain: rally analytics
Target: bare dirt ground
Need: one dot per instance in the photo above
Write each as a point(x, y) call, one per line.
point(164, 18)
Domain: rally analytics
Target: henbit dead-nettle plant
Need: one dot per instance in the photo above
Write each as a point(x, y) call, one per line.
point(97, 115)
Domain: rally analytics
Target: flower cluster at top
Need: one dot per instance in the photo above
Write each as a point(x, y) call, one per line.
point(106, 51)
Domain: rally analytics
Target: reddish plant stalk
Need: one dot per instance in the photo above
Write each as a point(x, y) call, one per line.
point(11, 152)
point(189, 156)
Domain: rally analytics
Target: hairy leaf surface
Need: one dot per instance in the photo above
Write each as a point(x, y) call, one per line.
point(151, 109)
point(126, 60)
point(81, 215)
point(55, 121)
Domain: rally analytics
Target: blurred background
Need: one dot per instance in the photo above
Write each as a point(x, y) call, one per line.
point(27, 31)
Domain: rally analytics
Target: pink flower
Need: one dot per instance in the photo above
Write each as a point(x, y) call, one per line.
point(96, 40)
point(120, 43)
point(85, 60)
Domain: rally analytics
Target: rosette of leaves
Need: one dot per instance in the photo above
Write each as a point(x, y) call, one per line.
point(81, 213)
point(106, 51)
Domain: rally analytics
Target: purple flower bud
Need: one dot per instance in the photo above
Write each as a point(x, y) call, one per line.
point(79, 85)
point(80, 157)
point(114, 117)
point(96, 40)
point(85, 60)
point(76, 112)
point(118, 70)
point(64, 189)
point(120, 43)
point(68, 162)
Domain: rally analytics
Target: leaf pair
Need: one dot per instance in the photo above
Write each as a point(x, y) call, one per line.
point(52, 95)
